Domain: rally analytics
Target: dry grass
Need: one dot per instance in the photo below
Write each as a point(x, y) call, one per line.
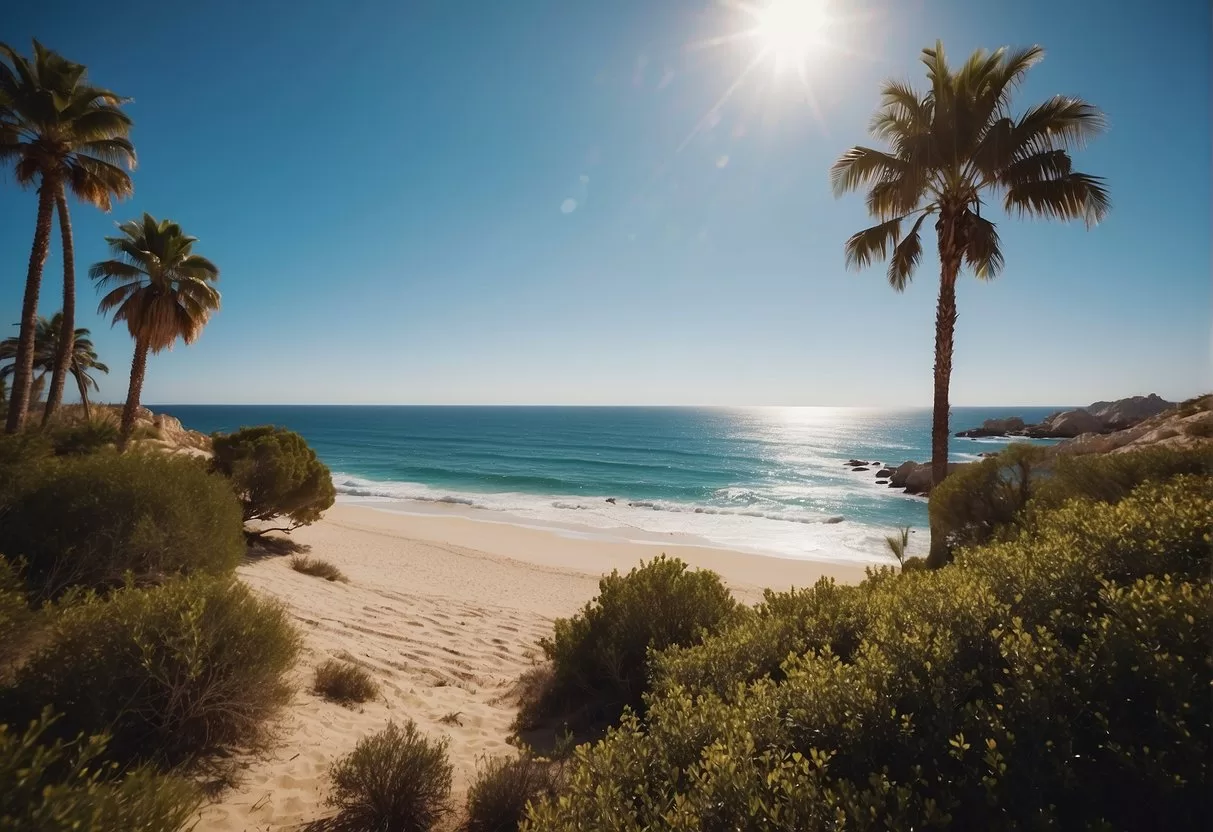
point(318, 568)
point(344, 683)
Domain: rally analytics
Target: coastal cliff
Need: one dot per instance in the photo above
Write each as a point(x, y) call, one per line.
point(1099, 417)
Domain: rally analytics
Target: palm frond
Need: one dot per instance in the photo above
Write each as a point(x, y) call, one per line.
point(983, 250)
point(1058, 123)
point(862, 165)
point(872, 243)
point(906, 256)
point(1069, 197)
point(1048, 164)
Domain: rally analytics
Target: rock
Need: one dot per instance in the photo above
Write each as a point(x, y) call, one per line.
point(611, 500)
point(1071, 423)
point(861, 468)
point(1125, 413)
point(995, 427)
point(885, 473)
point(920, 480)
point(831, 520)
point(898, 478)
point(882, 482)
point(854, 462)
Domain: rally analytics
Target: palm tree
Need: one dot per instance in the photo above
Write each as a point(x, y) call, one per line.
point(46, 351)
point(66, 135)
point(44, 355)
point(160, 288)
point(951, 149)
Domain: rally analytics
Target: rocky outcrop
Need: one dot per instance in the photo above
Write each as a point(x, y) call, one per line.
point(1066, 425)
point(1100, 417)
point(1128, 412)
point(995, 427)
point(166, 433)
point(1186, 426)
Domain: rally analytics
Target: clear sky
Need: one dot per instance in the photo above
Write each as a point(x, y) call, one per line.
point(539, 201)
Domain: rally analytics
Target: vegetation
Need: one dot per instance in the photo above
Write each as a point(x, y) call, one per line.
point(318, 568)
point(64, 134)
point(160, 288)
point(344, 683)
point(99, 520)
point(82, 360)
point(178, 673)
point(951, 149)
point(396, 779)
point(599, 657)
point(1055, 678)
point(16, 618)
point(504, 787)
point(992, 498)
point(63, 787)
point(275, 474)
point(898, 543)
point(83, 438)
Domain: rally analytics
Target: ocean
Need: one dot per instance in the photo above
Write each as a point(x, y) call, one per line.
point(770, 480)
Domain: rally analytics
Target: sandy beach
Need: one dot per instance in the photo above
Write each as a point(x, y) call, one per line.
point(445, 611)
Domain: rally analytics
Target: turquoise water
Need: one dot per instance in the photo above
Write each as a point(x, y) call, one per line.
point(766, 479)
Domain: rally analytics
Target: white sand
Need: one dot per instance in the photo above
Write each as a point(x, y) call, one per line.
point(445, 612)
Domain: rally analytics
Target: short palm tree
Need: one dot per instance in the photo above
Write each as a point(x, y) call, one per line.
point(160, 288)
point(65, 135)
point(46, 350)
point(950, 150)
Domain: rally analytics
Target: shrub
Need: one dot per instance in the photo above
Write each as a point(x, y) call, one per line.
point(1056, 679)
point(89, 520)
point(175, 673)
point(979, 498)
point(16, 618)
point(344, 683)
point(318, 568)
point(600, 657)
point(1110, 477)
point(497, 801)
point(396, 779)
point(83, 437)
point(62, 787)
point(275, 474)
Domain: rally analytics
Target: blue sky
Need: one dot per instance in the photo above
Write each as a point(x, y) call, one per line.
point(471, 202)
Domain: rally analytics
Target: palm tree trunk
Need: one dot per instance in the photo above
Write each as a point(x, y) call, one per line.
point(82, 385)
point(945, 329)
point(67, 332)
point(23, 370)
point(138, 368)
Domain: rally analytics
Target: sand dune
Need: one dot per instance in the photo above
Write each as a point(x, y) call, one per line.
point(445, 612)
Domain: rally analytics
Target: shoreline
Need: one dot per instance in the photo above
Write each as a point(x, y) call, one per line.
point(445, 612)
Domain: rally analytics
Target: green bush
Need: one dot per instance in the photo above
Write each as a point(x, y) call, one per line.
point(599, 657)
point(58, 787)
point(275, 474)
point(1056, 679)
point(318, 568)
point(397, 779)
point(1110, 477)
point(16, 618)
point(344, 683)
point(175, 673)
point(504, 786)
point(83, 437)
point(979, 498)
point(90, 520)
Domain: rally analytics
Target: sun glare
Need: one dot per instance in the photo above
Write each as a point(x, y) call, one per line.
point(790, 30)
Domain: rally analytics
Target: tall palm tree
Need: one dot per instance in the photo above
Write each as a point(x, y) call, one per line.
point(160, 288)
point(950, 150)
point(64, 134)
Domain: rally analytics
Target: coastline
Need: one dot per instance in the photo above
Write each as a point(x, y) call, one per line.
point(445, 611)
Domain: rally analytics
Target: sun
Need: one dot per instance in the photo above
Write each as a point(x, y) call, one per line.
point(789, 31)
